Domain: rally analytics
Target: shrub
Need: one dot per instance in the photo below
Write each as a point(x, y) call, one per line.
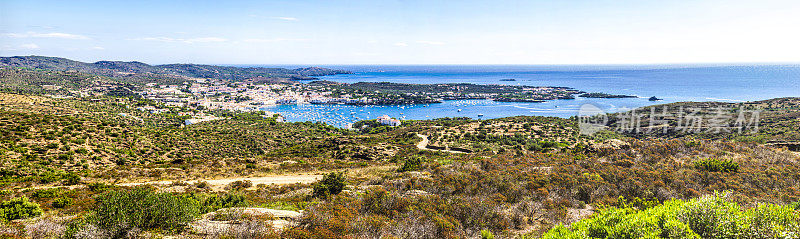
point(383, 203)
point(331, 184)
point(717, 165)
point(98, 187)
point(213, 202)
point(486, 234)
point(706, 217)
point(123, 210)
point(412, 164)
point(62, 202)
point(692, 143)
point(71, 179)
point(239, 185)
point(19, 208)
point(45, 229)
point(46, 193)
point(91, 232)
point(202, 184)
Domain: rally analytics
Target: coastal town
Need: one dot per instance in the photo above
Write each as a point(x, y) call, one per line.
point(204, 95)
point(242, 96)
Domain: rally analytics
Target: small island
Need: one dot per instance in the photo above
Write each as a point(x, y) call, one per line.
point(605, 95)
point(654, 99)
point(508, 79)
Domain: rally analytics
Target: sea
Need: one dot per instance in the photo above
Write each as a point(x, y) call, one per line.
point(672, 83)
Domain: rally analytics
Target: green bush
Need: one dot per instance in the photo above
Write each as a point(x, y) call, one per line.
point(411, 164)
point(486, 234)
point(239, 185)
point(71, 179)
point(717, 165)
point(61, 202)
point(706, 217)
point(122, 210)
point(213, 202)
point(19, 208)
point(99, 187)
point(331, 184)
point(46, 193)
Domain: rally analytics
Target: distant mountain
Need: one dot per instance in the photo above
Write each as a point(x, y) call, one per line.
point(126, 69)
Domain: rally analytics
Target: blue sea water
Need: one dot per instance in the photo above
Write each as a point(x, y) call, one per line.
point(673, 83)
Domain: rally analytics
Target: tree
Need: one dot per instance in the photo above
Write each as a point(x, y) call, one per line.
point(331, 184)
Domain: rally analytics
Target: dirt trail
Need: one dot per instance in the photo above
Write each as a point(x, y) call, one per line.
point(423, 145)
point(219, 184)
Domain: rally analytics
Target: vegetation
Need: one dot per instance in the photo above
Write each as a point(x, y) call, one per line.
point(124, 210)
point(331, 184)
point(397, 93)
point(605, 95)
point(706, 217)
point(144, 73)
point(717, 165)
point(411, 164)
point(19, 208)
point(65, 164)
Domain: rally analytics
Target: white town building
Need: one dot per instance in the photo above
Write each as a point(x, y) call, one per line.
point(386, 120)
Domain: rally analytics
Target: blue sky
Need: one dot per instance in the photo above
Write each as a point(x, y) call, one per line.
point(405, 32)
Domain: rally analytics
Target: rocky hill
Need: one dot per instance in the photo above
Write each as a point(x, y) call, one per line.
point(126, 69)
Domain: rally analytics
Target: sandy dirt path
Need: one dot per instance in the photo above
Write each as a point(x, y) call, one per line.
point(423, 145)
point(219, 184)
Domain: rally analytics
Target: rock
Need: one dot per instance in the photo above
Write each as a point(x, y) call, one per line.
point(416, 193)
point(297, 193)
point(258, 211)
point(611, 144)
point(173, 189)
point(208, 226)
point(372, 187)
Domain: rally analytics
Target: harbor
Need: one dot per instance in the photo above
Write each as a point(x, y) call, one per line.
point(343, 115)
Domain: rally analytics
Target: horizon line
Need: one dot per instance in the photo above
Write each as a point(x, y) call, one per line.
point(762, 63)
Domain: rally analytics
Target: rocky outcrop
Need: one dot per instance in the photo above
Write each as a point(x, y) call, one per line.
point(234, 219)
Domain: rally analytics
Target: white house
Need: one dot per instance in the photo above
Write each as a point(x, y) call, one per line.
point(203, 118)
point(388, 121)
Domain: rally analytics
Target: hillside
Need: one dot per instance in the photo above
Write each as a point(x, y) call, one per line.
point(82, 148)
point(133, 69)
point(523, 176)
point(760, 121)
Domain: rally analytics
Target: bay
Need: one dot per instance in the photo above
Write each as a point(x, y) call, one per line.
point(672, 83)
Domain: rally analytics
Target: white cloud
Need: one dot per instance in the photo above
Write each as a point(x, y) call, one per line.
point(29, 46)
point(207, 39)
point(182, 40)
point(98, 48)
point(48, 35)
point(263, 40)
point(286, 18)
point(431, 42)
point(401, 44)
